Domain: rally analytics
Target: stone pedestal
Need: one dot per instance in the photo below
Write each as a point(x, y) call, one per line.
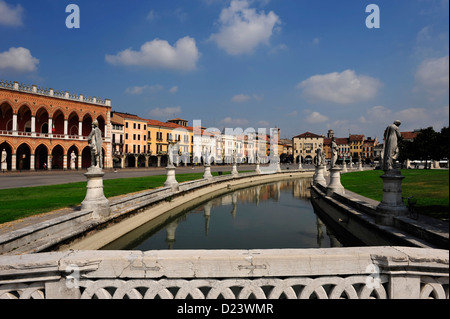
point(360, 167)
point(344, 168)
point(335, 185)
point(392, 202)
point(258, 170)
point(95, 198)
point(234, 171)
point(318, 175)
point(207, 174)
point(171, 180)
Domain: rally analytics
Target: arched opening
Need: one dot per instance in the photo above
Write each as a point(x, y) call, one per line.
point(130, 161)
point(23, 157)
point(308, 159)
point(24, 118)
point(57, 157)
point(86, 157)
point(42, 121)
point(41, 157)
point(6, 116)
point(4, 147)
point(58, 123)
point(101, 124)
point(87, 125)
point(141, 161)
point(73, 124)
point(72, 158)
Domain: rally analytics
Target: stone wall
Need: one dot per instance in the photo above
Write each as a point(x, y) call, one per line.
point(353, 273)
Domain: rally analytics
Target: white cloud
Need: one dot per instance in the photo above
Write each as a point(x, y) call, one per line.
point(136, 90)
point(18, 60)
point(241, 98)
point(173, 89)
point(182, 56)
point(165, 112)
point(242, 29)
point(433, 76)
point(237, 122)
point(11, 16)
point(341, 88)
point(316, 117)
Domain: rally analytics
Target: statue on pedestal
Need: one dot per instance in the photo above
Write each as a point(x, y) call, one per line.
point(3, 161)
point(334, 152)
point(390, 149)
point(95, 144)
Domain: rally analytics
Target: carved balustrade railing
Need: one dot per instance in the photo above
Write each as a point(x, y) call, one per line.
point(335, 273)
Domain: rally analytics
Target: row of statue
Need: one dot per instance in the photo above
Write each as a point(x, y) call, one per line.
point(388, 157)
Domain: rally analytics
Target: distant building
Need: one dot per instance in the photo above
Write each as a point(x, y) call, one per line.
point(40, 128)
point(305, 146)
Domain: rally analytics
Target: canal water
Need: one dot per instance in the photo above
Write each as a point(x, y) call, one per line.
point(269, 216)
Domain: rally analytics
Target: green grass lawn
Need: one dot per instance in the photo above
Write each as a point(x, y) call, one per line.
point(429, 187)
point(23, 202)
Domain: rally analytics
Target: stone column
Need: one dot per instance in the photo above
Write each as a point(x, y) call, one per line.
point(32, 168)
point(95, 199)
point(14, 124)
point(80, 130)
point(66, 127)
point(207, 174)
point(171, 180)
point(33, 125)
point(335, 185)
point(344, 167)
point(318, 175)
point(13, 162)
point(392, 202)
point(50, 127)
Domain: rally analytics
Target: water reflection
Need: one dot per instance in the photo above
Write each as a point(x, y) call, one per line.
point(276, 215)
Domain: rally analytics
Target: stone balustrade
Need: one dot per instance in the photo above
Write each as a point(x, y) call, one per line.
point(354, 273)
point(50, 92)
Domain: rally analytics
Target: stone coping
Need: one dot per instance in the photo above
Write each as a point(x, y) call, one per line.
point(224, 263)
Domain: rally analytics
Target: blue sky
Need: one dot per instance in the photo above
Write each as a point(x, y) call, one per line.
point(294, 64)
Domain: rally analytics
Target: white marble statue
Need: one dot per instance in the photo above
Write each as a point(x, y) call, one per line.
point(95, 144)
point(390, 148)
point(334, 152)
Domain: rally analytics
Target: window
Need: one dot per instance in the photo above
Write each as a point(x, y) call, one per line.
point(134, 125)
point(134, 137)
point(139, 126)
point(126, 124)
point(126, 136)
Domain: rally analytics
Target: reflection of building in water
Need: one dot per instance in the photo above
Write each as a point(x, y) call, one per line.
point(301, 188)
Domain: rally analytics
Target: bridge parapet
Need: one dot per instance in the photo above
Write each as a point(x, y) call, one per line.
point(358, 272)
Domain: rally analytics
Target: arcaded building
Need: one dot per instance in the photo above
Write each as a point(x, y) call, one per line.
point(47, 129)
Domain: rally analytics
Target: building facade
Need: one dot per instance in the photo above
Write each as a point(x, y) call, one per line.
point(46, 129)
point(305, 146)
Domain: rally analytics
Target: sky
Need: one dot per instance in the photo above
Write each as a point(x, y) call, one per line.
point(299, 65)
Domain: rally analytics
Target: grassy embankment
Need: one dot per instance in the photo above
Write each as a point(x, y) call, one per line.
point(429, 187)
point(18, 203)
